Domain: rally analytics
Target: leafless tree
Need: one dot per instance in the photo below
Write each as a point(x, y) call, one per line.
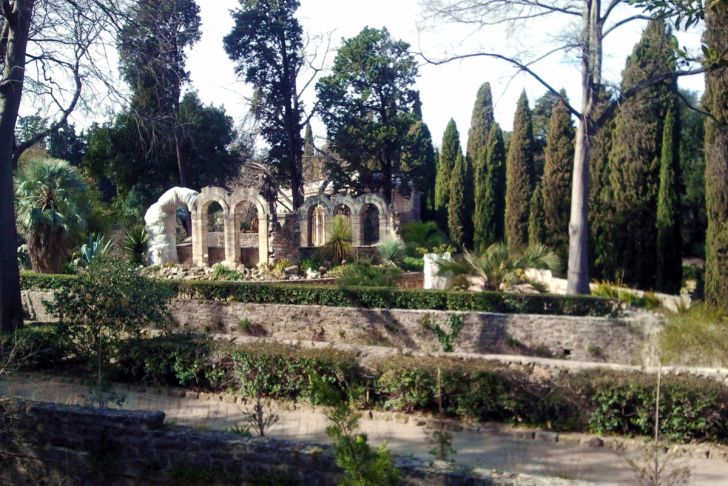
point(596, 20)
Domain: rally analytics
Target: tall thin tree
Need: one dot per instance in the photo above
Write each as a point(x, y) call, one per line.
point(519, 177)
point(490, 182)
point(449, 151)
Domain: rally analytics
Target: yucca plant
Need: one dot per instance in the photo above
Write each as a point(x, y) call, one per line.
point(338, 246)
point(52, 208)
point(496, 268)
point(95, 248)
point(136, 244)
point(392, 251)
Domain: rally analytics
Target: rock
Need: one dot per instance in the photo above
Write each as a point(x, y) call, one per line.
point(322, 270)
point(547, 436)
point(596, 442)
point(292, 270)
point(312, 274)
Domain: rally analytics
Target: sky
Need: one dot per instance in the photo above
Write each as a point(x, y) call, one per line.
point(448, 90)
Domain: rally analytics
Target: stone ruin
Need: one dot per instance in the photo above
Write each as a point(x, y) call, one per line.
point(242, 228)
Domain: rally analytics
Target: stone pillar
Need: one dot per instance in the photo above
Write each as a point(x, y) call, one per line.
point(199, 240)
point(231, 241)
point(357, 238)
point(303, 230)
point(263, 238)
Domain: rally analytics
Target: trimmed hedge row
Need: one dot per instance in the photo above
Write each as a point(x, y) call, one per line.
point(600, 401)
point(380, 298)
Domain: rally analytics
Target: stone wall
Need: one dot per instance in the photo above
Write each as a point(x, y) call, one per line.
point(574, 338)
point(44, 443)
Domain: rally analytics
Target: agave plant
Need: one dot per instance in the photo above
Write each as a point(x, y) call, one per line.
point(136, 244)
point(52, 208)
point(496, 268)
point(95, 248)
point(392, 251)
point(338, 246)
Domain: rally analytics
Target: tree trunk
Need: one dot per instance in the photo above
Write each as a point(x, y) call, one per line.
point(11, 90)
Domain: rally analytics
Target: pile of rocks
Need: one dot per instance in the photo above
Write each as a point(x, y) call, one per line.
point(260, 273)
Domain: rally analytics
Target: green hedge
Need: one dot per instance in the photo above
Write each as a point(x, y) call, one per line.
point(691, 408)
point(386, 298)
point(381, 298)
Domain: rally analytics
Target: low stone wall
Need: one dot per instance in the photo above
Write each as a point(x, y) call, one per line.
point(620, 341)
point(574, 338)
point(53, 444)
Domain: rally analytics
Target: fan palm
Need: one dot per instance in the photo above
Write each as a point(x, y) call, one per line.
point(496, 268)
point(52, 207)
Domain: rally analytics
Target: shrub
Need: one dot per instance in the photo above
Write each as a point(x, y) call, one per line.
point(136, 244)
point(413, 264)
point(96, 248)
point(425, 235)
point(367, 275)
point(391, 251)
point(338, 246)
point(309, 264)
point(696, 337)
point(37, 346)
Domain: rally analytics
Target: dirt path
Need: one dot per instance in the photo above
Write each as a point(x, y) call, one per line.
point(404, 435)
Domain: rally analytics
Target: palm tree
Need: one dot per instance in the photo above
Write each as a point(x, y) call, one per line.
point(496, 268)
point(51, 206)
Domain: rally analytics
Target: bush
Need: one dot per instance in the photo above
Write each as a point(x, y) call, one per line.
point(367, 275)
point(696, 337)
point(309, 264)
point(413, 264)
point(38, 346)
point(391, 251)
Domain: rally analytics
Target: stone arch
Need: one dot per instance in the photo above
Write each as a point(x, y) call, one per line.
point(200, 244)
point(160, 222)
point(316, 226)
point(370, 224)
point(304, 213)
point(251, 197)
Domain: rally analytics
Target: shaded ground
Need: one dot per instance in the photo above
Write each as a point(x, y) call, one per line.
point(484, 449)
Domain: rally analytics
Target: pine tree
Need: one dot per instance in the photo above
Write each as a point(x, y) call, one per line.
point(456, 211)
point(716, 168)
point(536, 218)
point(490, 181)
point(448, 154)
point(635, 156)
point(669, 239)
point(519, 177)
point(559, 156)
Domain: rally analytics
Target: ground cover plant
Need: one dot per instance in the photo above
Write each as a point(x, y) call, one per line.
point(603, 402)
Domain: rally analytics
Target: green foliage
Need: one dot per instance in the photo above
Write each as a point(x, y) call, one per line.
point(136, 243)
point(693, 218)
point(338, 247)
point(422, 234)
point(490, 182)
point(362, 465)
point(363, 274)
point(96, 248)
point(36, 346)
point(449, 152)
point(669, 239)
point(696, 337)
point(536, 218)
point(557, 180)
point(267, 45)
point(496, 268)
point(369, 105)
point(391, 251)
point(413, 264)
point(519, 177)
point(445, 338)
point(716, 169)
point(456, 208)
point(309, 264)
point(420, 159)
point(108, 301)
point(52, 209)
point(635, 156)
point(481, 123)
point(626, 296)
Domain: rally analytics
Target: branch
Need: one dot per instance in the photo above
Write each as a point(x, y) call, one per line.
point(690, 105)
point(10, 12)
point(515, 62)
point(625, 21)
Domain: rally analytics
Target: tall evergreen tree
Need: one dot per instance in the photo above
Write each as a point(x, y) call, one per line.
point(693, 222)
point(419, 159)
point(716, 169)
point(669, 239)
point(456, 211)
point(519, 177)
point(559, 157)
point(448, 154)
point(635, 155)
point(310, 169)
point(481, 122)
point(536, 218)
point(490, 182)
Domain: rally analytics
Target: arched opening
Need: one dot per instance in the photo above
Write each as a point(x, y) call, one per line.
point(215, 233)
point(247, 226)
point(370, 225)
point(316, 226)
point(342, 210)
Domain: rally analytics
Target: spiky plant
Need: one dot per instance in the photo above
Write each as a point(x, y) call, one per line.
point(136, 244)
point(496, 268)
point(392, 251)
point(338, 246)
point(95, 248)
point(52, 207)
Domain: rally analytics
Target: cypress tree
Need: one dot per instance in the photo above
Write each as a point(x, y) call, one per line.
point(716, 167)
point(456, 211)
point(536, 218)
point(519, 177)
point(490, 180)
point(559, 156)
point(419, 159)
point(448, 154)
point(481, 122)
point(310, 170)
point(669, 239)
point(635, 156)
